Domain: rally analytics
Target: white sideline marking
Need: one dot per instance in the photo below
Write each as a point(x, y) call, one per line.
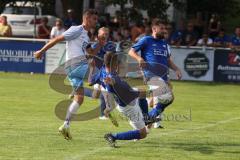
point(92, 152)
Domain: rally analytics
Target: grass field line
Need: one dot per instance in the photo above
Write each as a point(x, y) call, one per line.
point(84, 155)
point(200, 127)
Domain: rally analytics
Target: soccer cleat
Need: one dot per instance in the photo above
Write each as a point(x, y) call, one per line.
point(110, 139)
point(157, 125)
point(150, 120)
point(65, 132)
point(103, 118)
point(113, 120)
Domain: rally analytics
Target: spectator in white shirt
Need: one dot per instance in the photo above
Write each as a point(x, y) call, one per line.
point(58, 29)
point(205, 41)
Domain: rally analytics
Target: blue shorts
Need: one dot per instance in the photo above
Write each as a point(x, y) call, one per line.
point(77, 74)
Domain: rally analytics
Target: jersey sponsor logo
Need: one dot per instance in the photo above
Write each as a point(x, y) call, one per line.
point(160, 52)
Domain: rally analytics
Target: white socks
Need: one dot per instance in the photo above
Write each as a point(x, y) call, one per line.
point(73, 108)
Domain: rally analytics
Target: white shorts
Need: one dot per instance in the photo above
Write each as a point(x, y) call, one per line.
point(134, 114)
point(161, 91)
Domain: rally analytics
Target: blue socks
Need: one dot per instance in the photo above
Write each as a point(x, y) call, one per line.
point(127, 135)
point(143, 105)
point(102, 105)
point(156, 111)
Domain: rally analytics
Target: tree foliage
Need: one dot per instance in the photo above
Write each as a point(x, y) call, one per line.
point(221, 7)
point(154, 8)
point(158, 8)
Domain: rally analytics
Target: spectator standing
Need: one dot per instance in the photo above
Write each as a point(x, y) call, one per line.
point(189, 36)
point(5, 28)
point(58, 29)
point(71, 19)
point(126, 34)
point(178, 34)
point(135, 32)
point(43, 29)
point(199, 23)
point(169, 33)
point(214, 26)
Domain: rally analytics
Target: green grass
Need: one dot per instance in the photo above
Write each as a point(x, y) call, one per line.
point(29, 125)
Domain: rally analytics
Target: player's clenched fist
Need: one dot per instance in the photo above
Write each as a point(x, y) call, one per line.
point(38, 54)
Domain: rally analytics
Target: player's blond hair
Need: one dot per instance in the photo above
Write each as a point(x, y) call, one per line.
point(104, 29)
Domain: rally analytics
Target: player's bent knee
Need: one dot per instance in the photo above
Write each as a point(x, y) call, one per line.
point(79, 98)
point(165, 99)
point(143, 133)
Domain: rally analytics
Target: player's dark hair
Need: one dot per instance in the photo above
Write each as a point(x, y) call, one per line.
point(90, 12)
point(157, 22)
point(110, 59)
point(222, 30)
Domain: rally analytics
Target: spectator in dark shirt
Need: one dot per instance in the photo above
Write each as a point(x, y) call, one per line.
point(71, 20)
point(235, 41)
point(199, 23)
point(177, 36)
point(43, 29)
point(222, 40)
point(169, 33)
point(189, 36)
point(214, 26)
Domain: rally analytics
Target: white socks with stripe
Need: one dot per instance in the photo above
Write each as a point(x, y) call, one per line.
point(73, 108)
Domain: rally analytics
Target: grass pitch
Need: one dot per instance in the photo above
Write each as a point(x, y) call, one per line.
point(202, 124)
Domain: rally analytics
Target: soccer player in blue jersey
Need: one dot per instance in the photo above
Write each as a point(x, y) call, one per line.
point(125, 97)
point(155, 61)
point(77, 65)
point(97, 63)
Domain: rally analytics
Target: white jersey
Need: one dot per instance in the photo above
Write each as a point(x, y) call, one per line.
point(56, 32)
point(77, 41)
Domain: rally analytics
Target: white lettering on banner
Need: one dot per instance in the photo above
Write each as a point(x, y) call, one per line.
point(200, 66)
point(25, 56)
point(228, 68)
point(16, 53)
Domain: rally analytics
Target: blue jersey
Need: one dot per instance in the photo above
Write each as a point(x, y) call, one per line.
point(109, 47)
point(156, 54)
point(123, 93)
point(235, 40)
point(176, 36)
point(222, 40)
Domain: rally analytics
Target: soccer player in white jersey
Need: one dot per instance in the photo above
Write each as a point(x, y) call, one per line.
point(77, 47)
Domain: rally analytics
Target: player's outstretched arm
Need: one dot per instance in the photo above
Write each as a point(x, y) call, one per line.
point(38, 54)
point(138, 58)
point(174, 67)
